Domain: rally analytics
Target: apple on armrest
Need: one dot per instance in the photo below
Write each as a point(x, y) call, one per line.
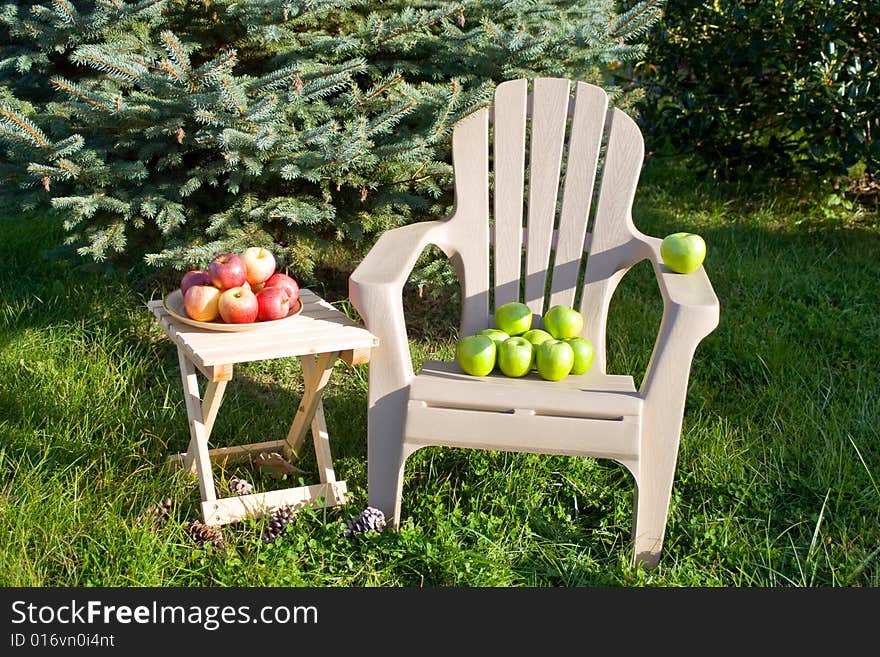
point(683, 252)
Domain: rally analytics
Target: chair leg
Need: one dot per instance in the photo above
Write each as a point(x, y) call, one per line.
point(385, 485)
point(386, 454)
point(651, 508)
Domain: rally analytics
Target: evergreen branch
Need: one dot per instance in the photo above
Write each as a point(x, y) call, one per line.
point(233, 137)
point(145, 7)
point(26, 125)
point(289, 172)
point(67, 12)
point(13, 137)
point(303, 210)
point(190, 187)
point(100, 240)
point(330, 81)
point(389, 119)
point(220, 65)
point(404, 24)
point(623, 26)
point(70, 88)
point(204, 116)
point(98, 59)
point(84, 204)
point(175, 50)
point(148, 207)
point(233, 94)
point(173, 71)
point(452, 97)
point(263, 109)
point(193, 255)
point(379, 88)
point(318, 134)
point(274, 80)
point(254, 166)
point(72, 170)
point(31, 29)
point(40, 11)
point(171, 216)
point(22, 60)
point(65, 170)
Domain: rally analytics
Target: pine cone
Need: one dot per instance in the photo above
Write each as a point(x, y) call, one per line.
point(156, 513)
point(203, 534)
point(370, 519)
point(277, 525)
point(241, 487)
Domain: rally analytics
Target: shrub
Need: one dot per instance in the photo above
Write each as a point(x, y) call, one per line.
point(177, 130)
point(776, 87)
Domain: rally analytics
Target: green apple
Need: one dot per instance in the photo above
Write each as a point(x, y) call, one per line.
point(583, 354)
point(555, 360)
point(536, 337)
point(497, 335)
point(476, 354)
point(513, 318)
point(683, 253)
point(515, 356)
point(563, 322)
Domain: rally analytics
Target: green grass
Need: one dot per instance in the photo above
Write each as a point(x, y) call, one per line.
point(778, 481)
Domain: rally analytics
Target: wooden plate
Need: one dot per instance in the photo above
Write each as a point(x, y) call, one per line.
point(174, 305)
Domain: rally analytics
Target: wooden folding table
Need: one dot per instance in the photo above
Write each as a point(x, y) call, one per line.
point(318, 336)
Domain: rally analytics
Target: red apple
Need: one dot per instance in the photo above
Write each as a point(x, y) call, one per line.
point(227, 271)
point(238, 305)
point(260, 264)
point(194, 277)
point(286, 282)
point(274, 303)
point(202, 302)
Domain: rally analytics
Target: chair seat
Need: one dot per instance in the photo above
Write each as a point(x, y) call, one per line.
point(590, 395)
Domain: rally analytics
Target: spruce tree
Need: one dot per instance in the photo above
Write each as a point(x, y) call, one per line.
point(178, 129)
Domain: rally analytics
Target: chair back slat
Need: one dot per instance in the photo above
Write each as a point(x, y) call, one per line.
point(613, 230)
point(470, 160)
point(509, 169)
point(587, 124)
point(549, 116)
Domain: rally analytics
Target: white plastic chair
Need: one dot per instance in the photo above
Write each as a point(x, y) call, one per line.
point(595, 414)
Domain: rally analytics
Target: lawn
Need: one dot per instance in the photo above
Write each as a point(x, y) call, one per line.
point(778, 482)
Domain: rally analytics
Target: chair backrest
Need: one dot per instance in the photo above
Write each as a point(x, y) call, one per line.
point(538, 253)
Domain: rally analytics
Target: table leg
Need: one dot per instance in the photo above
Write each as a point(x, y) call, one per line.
point(197, 453)
point(210, 405)
point(321, 439)
point(316, 374)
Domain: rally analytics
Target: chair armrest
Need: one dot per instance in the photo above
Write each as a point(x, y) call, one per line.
point(693, 291)
point(690, 313)
point(393, 256)
point(375, 288)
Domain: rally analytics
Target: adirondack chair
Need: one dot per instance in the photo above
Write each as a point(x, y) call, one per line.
point(596, 414)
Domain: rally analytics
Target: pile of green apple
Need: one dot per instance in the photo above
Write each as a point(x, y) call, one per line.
point(516, 349)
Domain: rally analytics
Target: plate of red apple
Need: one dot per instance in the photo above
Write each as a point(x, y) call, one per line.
point(237, 292)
